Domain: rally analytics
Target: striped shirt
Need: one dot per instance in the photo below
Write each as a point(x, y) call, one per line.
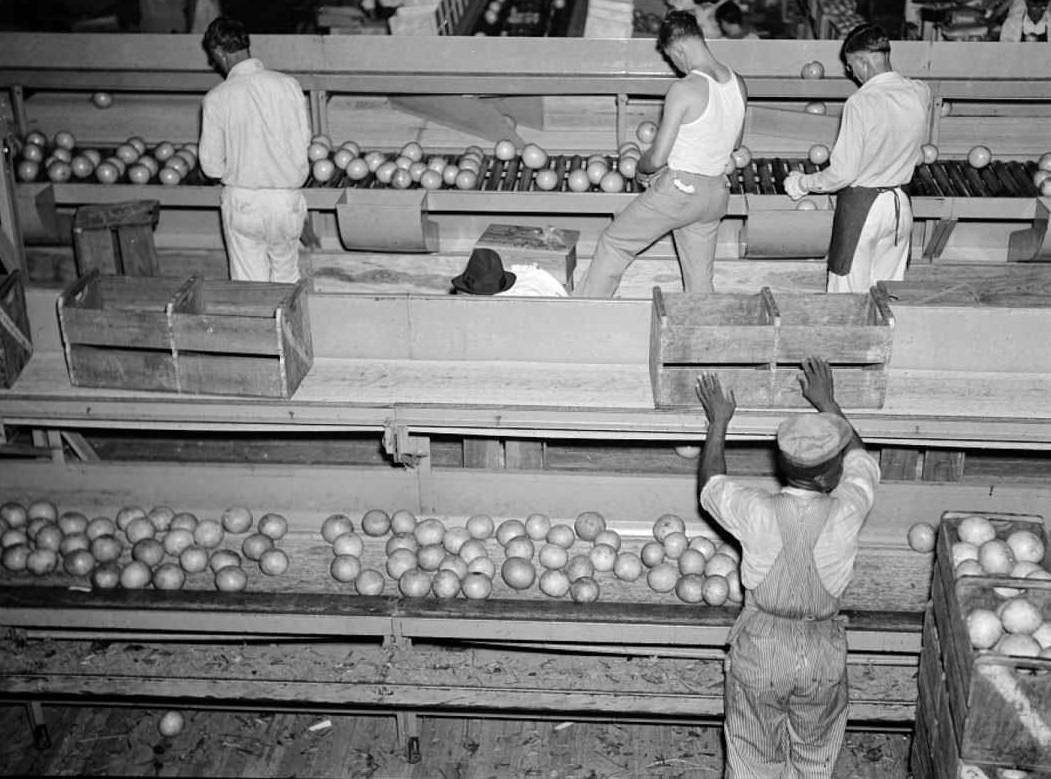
point(747, 513)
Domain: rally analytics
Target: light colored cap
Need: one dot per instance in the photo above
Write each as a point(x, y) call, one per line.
point(812, 439)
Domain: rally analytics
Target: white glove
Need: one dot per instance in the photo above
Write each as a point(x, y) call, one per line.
point(794, 187)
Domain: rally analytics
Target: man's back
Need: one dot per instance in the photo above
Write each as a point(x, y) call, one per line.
point(255, 131)
point(893, 112)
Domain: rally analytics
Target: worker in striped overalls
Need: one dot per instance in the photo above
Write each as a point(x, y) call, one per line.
point(786, 671)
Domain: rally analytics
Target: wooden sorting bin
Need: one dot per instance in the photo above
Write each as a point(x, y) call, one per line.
point(730, 335)
point(550, 248)
point(16, 345)
point(995, 707)
point(115, 331)
point(186, 335)
point(756, 345)
point(241, 338)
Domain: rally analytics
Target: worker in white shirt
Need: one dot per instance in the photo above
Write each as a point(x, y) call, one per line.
point(485, 275)
point(1026, 20)
point(884, 126)
point(684, 170)
point(786, 690)
point(254, 137)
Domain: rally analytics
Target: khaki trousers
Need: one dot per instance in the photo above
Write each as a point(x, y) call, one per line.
point(688, 205)
point(262, 229)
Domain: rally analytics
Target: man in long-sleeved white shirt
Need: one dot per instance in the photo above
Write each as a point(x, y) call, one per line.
point(883, 128)
point(254, 137)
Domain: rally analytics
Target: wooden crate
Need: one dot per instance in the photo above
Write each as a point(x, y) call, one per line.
point(957, 655)
point(116, 238)
point(730, 335)
point(553, 249)
point(935, 752)
point(756, 345)
point(16, 345)
point(854, 333)
point(116, 333)
point(242, 338)
point(997, 705)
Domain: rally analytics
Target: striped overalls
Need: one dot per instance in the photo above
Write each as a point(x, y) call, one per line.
point(786, 682)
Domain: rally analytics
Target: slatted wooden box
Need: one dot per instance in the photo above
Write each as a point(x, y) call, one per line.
point(997, 706)
point(730, 335)
point(243, 338)
point(190, 336)
point(854, 333)
point(935, 752)
point(115, 331)
point(756, 344)
point(16, 345)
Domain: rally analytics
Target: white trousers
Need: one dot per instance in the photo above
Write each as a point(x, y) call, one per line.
point(877, 257)
point(262, 229)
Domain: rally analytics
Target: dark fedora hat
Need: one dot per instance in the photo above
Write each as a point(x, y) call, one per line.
point(484, 274)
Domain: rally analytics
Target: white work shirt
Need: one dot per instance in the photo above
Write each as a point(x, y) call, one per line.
point(747, 513)
point(534, 281)
point(883, 128)
point(254, 129)
point(1017, 24)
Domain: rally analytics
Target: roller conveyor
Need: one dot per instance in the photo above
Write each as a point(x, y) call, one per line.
point(762, 176)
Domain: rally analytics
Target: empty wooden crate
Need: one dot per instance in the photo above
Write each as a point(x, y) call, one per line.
point(241, 338)
point(853, 333)
point(115, 331)
point(756, 344)
point(186, 335)
point(731, 335)
point(16, 346)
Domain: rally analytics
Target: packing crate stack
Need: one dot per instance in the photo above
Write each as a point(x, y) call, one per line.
point(190, 335)
point(981, 713)
point(756, 344)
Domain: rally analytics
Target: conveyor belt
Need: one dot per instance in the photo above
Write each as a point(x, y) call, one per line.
point(762, 176)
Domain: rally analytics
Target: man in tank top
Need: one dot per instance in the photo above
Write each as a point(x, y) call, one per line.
point(684, 169)
point(786, 671)
point(881, 134)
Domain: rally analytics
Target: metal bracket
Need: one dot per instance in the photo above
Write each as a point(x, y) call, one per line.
point(403, 447)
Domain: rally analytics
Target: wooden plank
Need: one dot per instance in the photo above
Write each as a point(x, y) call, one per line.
point(462, 112)
point(482, 453)
point(898, 464)
point(146, 369)
point(523, 454)
point(942, 465)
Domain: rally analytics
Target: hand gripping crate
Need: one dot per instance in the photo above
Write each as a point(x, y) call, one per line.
point(244, 338)
point(16, 346)
point(755, 344)
point(730, 335)
point(997, 707)
point(186, 335)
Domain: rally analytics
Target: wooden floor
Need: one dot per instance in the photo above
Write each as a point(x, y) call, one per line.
point(123, 741)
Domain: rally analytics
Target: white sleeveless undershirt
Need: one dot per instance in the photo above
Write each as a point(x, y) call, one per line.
point(704, 145)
